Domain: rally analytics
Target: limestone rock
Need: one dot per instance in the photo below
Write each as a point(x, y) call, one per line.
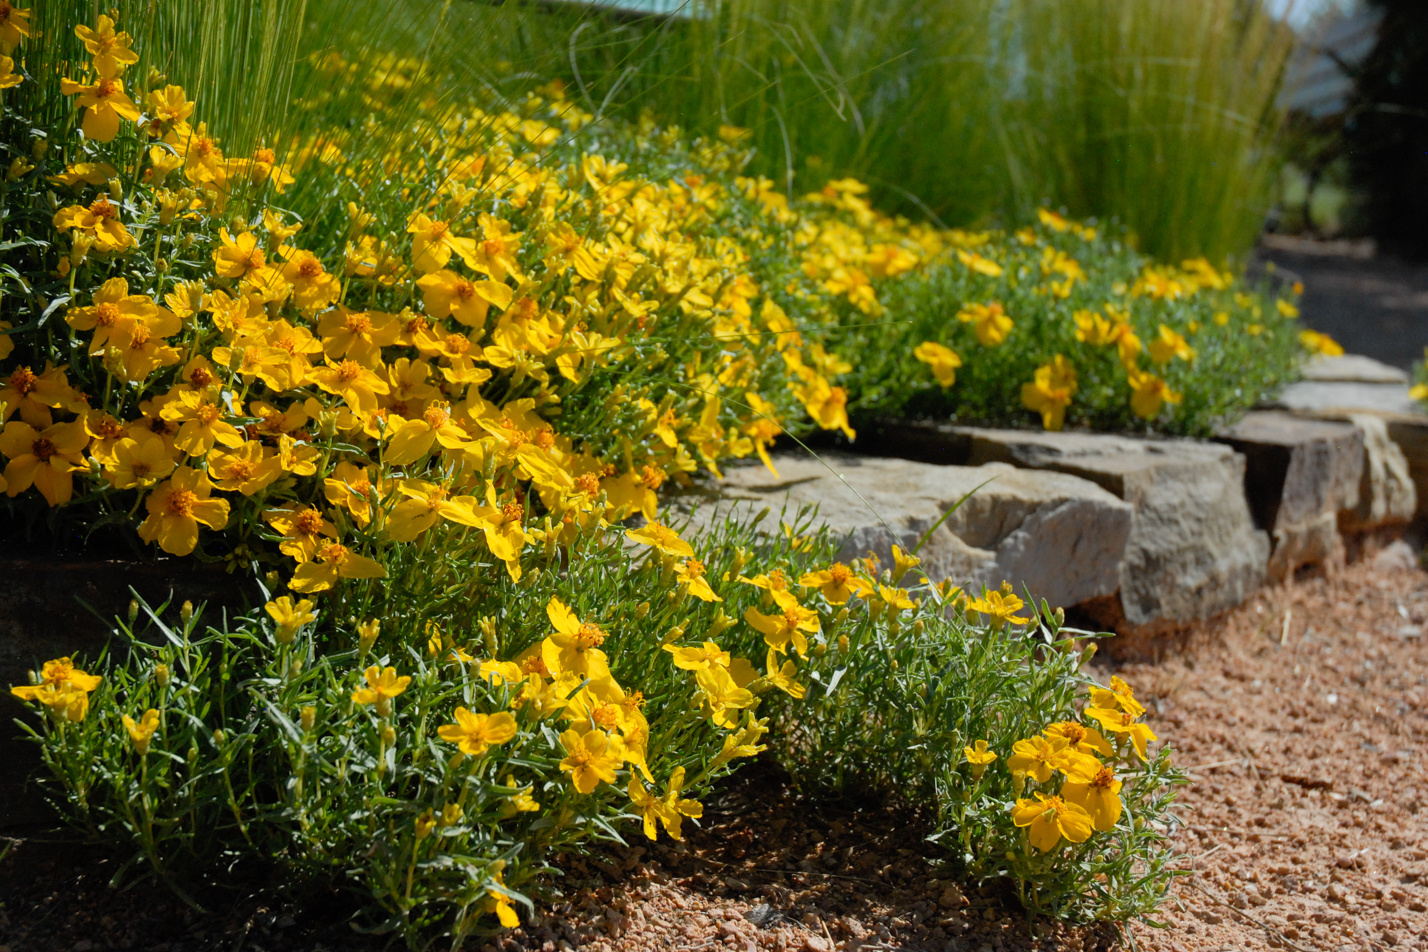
point(1300, 474)
point(1060, 536)
point(1353, 368)
point(1387, 494)
point(1318, 396)
point(1193, 551)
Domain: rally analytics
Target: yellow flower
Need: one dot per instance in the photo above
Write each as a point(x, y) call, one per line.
point(575, 646)
point(662, 538)
point(782, 677)
point(446, 293)
point(45, 459)
point(99, 221)
point(837, 583)
point(1092, 786)
point(104, 103)
point(109, 50)
point(519, 802)
point(697, 659)
point(725, 690)
point(1051, 818)
point(142, 733)
point(177, 508)
point(382, 685)
point(1123, 723)
point(1149, 393)
point(1038, 757)
point(1168, 345)
point(1079, 737)
point(977, 263)
point(289, 616)
point(669, 810)
point(943, 361)
point(1317, 343)
point(433, 244)
point(591, 757)
point(1001, 607)
point(778, 630)
point(1286, 309)
point(63, 688)
point(501, 904)
point(691, 573)
point(1093, 329)
point(979, 757)
point(474, 734)
point(989, 321)
point(1050, 392)
point(1118, 695)
point(14, 26)
point(332, 562)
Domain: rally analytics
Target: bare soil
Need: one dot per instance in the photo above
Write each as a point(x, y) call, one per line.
point(1302, 715)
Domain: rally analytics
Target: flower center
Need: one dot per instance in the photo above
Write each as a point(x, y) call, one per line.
point(102, 210)
point(589, 484)
point(589, 636)
point(333, 552)
point(465, 290)
point(605, 716)
point(105, 315)
point(207, 413)
point(140, 337)
point(310, 268)
point(436, 416)
point(457, 344)
point(839, 574)
point(181, 503)
point(43, 448)
point(106, 88)
point(308, 522)
point(513, 513)
point(694, 568)
point(23, 381)
point(348, 371)
point(651, 477)
point(494, 247)
point(359, 324)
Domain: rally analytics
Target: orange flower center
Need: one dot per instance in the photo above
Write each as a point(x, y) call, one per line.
point(106, 88)
point(207, 414)
point(791, 618)
point(417, 324)
point(523, 310)
point(589, 636)
point(777, 581)
point(240, 469)
point(437, 415)
point(200, 377)
point(333, 552)
point(108, 428)
point(439, 230)
point(266, 156)
point(694, 568)
point(545, 438)
point(359, 324)
point(310, 268)
point(348, 371)
point(465, 289)
point(139, 338)
point(102, 210)
point(457, 344)
point(308, 522)
point(1074, 733)
point(105, 315)
point(23, 381)
point(839, 574)
point(43, 448)
point(651, 477)
point(589, 484)
point(181, 503)
point(1104, 779)
point(140, 469)
point(535, 664)
point(494, 247)
point(605, 716)
point(513, 513)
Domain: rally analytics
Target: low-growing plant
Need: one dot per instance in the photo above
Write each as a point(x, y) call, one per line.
point(424, 389)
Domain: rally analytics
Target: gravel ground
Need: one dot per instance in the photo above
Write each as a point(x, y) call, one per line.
point(1303, 716)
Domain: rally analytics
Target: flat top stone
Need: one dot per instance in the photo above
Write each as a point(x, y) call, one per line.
point(1279, 428)
point(1330, 395)
point(1076, 443)
point(1352, 368)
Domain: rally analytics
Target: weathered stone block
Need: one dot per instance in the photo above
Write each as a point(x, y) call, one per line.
point(1388, 495)
point(1060, 536)
point(1319, 396)
point(1194, 550)
point(1299, 475)
point(1353, 368)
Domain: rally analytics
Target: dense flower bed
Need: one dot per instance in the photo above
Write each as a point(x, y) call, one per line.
point(432, 427)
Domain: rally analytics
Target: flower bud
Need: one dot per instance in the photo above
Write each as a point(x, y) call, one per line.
point(133, 610)
point(720, 623)
point(308, 717)
point(80, 249)
point(19, 168)
point(367, 635)
point(389, 735)
point(1088, 653)
point(741, 559)
point(186, 612)
point(819, 650)
point(116, 190)
point(642, 609)
point(40, 148)
point(219, 737)
point(673, 635)
point(162, 675)
point(425, 824)
point(842, 642)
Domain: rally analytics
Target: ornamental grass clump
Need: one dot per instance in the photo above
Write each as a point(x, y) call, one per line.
point(422, 392)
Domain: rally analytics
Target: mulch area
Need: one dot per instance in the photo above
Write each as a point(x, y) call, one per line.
point(1303, 717)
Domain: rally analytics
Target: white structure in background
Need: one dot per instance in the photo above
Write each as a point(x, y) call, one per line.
point(1319, 83)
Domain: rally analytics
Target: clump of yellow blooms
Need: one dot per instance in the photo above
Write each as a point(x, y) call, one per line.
point(502, 367)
